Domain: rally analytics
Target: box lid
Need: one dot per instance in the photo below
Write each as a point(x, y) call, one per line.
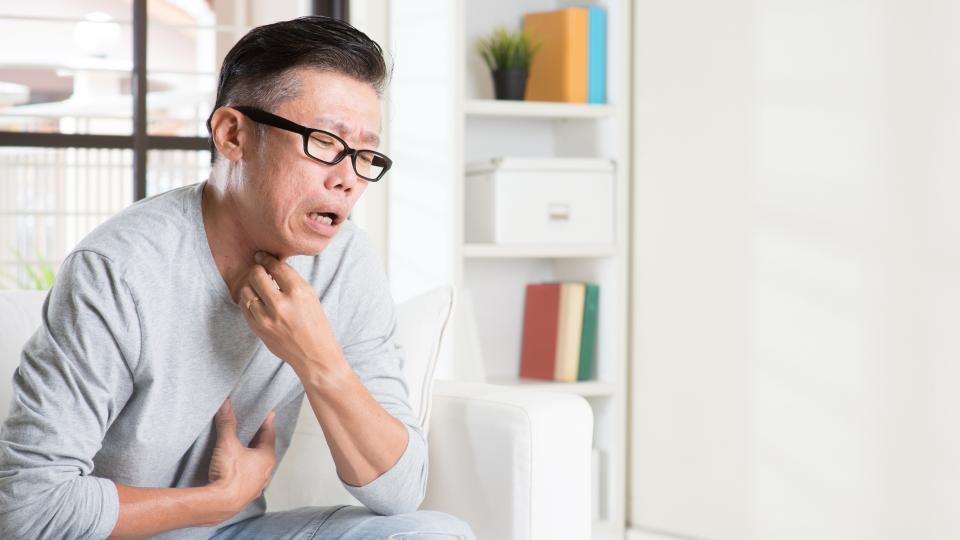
point(539, 164)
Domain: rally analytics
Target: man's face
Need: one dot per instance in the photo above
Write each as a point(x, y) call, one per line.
point(284, 188)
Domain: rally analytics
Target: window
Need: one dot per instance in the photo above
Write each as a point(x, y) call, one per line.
point(103, 102)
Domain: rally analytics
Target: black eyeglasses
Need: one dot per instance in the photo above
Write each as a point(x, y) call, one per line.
point(324, 146)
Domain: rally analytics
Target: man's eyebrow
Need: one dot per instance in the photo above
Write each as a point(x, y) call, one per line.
point(340, 128)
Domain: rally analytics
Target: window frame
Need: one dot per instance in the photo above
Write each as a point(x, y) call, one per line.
point(139, 140)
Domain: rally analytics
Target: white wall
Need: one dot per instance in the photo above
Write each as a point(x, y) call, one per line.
point(420, 186)
point(796, 269)
point(370, 212)
point(422, 116)
point(690, 388)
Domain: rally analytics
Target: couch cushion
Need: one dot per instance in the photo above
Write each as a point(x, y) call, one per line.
point(422, 323)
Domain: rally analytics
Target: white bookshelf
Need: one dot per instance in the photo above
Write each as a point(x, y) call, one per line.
point(550, 251)
point(450, 119)
point(581, 388)
point(536, 109)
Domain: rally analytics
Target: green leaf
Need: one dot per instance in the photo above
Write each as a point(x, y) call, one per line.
point(504, 49)
point(40, 276)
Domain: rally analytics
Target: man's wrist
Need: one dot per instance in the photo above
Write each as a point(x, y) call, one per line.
point(326, 375)
point(218, 504)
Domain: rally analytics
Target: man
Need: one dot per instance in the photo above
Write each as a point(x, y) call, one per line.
point(183, 334)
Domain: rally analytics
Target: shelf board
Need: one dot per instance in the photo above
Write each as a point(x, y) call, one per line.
point(582, 388)
point(536, 109)
point(492, 251)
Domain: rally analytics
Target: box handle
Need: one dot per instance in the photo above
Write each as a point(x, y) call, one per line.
point(558, 211)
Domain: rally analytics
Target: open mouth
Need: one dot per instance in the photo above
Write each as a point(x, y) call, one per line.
point(327, 218)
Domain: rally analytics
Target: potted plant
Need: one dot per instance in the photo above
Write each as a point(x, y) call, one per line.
point(508, 55)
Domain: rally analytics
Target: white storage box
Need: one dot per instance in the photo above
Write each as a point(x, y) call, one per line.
point(539, 201)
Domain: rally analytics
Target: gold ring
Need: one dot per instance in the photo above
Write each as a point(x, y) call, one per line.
point(252, 300)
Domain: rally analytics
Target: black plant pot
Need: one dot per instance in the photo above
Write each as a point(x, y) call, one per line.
point(510, 83)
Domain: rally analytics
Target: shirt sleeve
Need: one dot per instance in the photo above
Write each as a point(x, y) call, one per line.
point(74, 378)
point(376, 358)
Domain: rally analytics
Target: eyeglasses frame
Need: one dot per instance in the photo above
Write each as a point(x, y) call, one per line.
point(261, 116)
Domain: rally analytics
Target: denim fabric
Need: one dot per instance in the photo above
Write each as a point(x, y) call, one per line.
point(340, 522)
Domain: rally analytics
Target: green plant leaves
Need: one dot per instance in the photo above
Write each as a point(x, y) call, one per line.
point(39, 276)
point(505, 49)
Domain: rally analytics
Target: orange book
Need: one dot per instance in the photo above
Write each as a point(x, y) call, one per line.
point(541, 314)
point(558, 71)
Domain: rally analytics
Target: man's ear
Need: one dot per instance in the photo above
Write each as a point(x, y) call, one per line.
point(229, 132)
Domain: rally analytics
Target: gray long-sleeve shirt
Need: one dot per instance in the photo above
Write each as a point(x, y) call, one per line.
point(139, 346)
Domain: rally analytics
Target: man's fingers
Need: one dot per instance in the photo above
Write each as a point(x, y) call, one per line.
point(284, 274)
point(250, 300)
point(266, 436)
point(226, 422)
point(262, 285)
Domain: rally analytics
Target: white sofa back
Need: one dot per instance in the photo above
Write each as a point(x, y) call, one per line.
point(19, 319)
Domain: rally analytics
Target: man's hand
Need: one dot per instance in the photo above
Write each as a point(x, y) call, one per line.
point(284, 311)
point(240, 473)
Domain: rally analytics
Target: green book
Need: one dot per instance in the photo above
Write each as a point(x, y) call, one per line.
point(588, 340)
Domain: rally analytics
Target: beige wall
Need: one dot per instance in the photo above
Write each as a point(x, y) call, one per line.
point(796, 269)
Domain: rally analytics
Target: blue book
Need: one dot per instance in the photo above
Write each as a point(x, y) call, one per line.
point(597, 55)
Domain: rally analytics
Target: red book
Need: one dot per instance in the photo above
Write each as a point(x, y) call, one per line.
point(541, 313)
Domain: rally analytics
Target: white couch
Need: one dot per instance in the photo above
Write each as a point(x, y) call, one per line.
point(514, 463)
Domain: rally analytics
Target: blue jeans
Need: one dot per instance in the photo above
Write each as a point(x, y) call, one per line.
point(340, 522)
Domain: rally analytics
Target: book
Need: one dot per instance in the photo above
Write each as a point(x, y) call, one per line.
point(541, 314)
point(558, 71)
point(596, 55)
point(569, 329)
point(588, 340)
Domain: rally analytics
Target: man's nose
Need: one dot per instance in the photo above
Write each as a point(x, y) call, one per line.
point(342, 175)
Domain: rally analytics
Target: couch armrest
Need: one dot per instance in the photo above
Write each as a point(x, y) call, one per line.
point(512, 462)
